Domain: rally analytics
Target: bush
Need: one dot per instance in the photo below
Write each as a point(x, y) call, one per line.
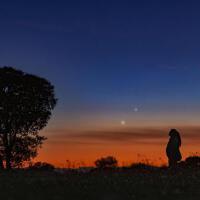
point(106, 162)
point(193, 161)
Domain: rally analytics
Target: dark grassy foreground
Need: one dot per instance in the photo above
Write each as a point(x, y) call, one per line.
point(128, 184)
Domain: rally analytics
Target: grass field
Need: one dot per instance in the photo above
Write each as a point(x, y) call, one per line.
point(158, 184)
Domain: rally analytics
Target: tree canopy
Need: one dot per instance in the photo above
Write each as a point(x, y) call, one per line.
point(26, 104)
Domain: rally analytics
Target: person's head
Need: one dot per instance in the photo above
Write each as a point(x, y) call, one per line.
point(173, 133)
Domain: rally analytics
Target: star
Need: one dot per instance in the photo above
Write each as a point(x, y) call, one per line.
point(135, 109)
point(123, 122)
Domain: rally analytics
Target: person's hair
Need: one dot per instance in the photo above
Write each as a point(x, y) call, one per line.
point(175, 133)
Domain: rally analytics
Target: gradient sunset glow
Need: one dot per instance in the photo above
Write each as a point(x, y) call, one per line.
point(125, 73)
point(132, 142)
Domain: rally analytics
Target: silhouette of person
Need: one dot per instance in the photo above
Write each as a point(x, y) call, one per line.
point(172, 150)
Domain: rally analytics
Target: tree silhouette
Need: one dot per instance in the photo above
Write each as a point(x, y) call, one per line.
point(26, 102)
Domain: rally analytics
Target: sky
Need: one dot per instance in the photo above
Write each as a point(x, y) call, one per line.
point(125, 72)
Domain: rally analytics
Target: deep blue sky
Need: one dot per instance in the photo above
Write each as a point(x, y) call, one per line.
point(108, 56)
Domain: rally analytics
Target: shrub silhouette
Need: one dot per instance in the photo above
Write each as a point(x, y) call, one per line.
point(43, 166)
point(26, 102)
point(106, 162)
point(193, 161)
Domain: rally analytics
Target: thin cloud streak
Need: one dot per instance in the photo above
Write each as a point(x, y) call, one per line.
point(126, 135)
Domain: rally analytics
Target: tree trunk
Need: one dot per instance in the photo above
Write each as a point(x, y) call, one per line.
point(1, 163)
point(8, 161)
point(7, 151)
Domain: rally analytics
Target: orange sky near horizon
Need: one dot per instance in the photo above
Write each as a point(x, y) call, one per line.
point(82, 146)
